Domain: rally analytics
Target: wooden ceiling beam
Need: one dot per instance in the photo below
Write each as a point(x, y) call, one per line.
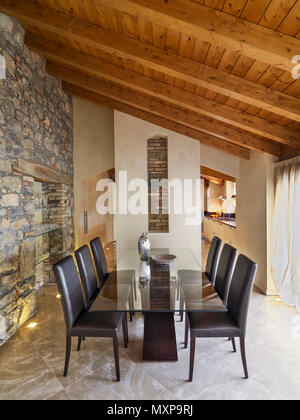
point(157, 59)
point(149, 104)
point(216, 181)
point(289, 153)
point(222, 29)
point(61, 54)
point(215, 174)
point(155, 119)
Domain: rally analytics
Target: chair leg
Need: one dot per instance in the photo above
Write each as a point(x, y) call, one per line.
point(133, 298)
point(181, 308)
point(134, 289)
point(68, 354)
point(233, 345)
point(243, 353)
point(181, 316)
point(79, 343)
point(192, 358)
point(187, 325)
point(178, 295)
point(131, 305)
point(116, 354)
point(125, 331)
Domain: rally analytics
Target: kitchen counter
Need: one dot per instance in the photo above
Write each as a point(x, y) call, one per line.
point(224, 220)
point(224, 228)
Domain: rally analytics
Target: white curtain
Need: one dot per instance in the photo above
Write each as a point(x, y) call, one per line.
point(286, 262)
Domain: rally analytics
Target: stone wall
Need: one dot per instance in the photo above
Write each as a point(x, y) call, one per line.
point(36, 120)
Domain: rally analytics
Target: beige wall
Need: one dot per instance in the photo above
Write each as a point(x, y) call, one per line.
point(255, 204)
point(93, 155)
point(220, 161)
point(131, 135)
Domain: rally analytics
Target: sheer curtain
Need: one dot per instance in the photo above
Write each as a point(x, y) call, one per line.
point(286, 262)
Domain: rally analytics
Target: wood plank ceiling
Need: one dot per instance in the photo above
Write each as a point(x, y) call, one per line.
point(219, 71)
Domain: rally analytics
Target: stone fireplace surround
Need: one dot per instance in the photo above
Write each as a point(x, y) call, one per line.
point(50, 230)
point(36, 145)
point(52, 210)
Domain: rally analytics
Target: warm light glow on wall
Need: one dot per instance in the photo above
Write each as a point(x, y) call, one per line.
point(32, 325)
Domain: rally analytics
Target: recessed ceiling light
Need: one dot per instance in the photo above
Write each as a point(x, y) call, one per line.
point(32, 325)
point(58, 296)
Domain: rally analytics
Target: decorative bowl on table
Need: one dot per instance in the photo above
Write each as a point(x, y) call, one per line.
point(164, 259)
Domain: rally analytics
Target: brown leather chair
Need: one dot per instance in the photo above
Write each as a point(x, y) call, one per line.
point(193, 276)
point(81, 323)
point(223, 278)
point(100, 260)
point(213, 259)
point(124, 276)
point(227, 324)
point(88, 274)
point(225, 271)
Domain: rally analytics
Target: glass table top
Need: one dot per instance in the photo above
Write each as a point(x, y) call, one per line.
point(148, 287)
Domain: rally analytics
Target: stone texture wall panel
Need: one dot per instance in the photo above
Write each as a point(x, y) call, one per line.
point(36, 124)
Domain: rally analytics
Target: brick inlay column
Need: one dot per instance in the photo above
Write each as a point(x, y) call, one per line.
point(158, 169)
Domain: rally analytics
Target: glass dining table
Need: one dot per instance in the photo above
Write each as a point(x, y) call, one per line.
point(158, 292)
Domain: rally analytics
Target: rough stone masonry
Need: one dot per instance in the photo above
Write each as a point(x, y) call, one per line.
point(36, 120)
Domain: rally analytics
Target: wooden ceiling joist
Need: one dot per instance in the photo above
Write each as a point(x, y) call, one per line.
point(224, 30)
point(149, 104)
point(205, 171)
point(288, 153)
point(155, 119)
point(61, 54)
point(216, 181)
point(154, 58)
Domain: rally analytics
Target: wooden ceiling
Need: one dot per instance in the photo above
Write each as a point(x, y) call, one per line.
point(219, 71)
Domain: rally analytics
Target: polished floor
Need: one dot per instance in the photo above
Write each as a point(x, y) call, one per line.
point(31, 363)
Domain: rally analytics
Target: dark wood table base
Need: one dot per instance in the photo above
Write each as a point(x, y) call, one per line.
point(160, 337)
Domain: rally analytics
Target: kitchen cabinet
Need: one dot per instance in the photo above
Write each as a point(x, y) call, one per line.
point(231, 236)
point(227, 233)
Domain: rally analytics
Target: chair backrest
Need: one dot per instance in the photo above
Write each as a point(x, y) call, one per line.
point(87, 272)
point(225, 271)
point(70, 289)
point(240, 291)
point(100, 259)
point(213, 258)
